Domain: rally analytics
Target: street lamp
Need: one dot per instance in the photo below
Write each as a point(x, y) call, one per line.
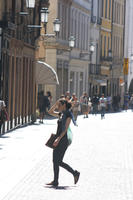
point(44, 15)
point(110, 54)
point(30, 3)
point(70, 73)
point(131, 63)
point(92, 49)
point(71, 42)
point(132, 57)
point(111, 70)
point(56, 24)
point(44, 20)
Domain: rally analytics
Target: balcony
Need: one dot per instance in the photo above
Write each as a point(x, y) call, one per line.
point(107, 58)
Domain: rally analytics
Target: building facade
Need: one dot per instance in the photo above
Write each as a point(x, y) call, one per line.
point(128, 50)
point(118, 21)
point(71, 67)
point(106, 42)
point(17, 56)
point(112, 46)
point(95, 78)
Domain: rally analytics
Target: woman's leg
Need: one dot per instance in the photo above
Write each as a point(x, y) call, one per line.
point(58, 155)
point(67, 167)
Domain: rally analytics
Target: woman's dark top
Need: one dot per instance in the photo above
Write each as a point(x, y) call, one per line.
point(61, 124)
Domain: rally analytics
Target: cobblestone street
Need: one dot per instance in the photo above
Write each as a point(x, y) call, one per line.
point(102, 150)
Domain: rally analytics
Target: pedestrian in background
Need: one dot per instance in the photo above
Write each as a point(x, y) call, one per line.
point(50, 98)
point(89, 105)
point(103, 102)
point(84, 104)
point(131, 102)
point(43, 104)
point(109, 103)
point(75, 106)
point(95, 102)
point(3, 114)
point(126, 101)
point(67, 95)
point(61, 143)
point(115, 103)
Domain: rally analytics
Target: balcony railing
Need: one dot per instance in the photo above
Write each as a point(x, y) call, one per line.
point(103, 58)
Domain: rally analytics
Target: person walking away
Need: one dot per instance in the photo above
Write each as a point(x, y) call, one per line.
point(43, 104)
point(3, 114)
point(75, 108)
point(126, 101)
point(89, 105)
point(103, 102)
point(50, 98)
point(115, 103)
point(95, 102)
point(61, 142)
point(118, 101)
point(84, 104)
point(109, 103)
point(131, 102)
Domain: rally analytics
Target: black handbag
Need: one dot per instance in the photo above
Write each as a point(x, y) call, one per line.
point(51, 140)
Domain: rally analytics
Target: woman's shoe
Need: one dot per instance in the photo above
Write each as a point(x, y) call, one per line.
point(76, 177)
point(53, 184)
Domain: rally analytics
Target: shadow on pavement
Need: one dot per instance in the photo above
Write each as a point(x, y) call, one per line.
point(4, 137)
point(59, 187)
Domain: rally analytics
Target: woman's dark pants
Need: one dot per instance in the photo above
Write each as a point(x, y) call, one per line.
point(58, 155)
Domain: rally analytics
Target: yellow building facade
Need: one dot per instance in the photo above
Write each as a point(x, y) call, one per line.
point(112, 40)
point(106, 43)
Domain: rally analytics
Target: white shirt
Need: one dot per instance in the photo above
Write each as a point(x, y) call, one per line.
point(103, 102)
point(2, 104)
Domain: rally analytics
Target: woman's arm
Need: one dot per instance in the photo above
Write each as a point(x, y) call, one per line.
point(52, 110)
point(68, 121)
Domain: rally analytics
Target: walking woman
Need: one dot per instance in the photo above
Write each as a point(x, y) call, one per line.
point(61, 143)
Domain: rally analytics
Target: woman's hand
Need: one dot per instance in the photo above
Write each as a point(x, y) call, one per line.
point(56, 142)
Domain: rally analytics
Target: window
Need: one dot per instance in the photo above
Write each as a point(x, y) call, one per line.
point(110, 1)
point(108, 43)
point(106, 9)
point(22, 5)
point(13, 10)
point(102, 8)
point(97, 8)
point(104, 46)
point(101, 45)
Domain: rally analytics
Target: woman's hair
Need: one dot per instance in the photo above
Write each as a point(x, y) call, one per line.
point(68, 104)
point(49, 93)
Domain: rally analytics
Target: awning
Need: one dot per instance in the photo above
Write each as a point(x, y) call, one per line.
point(45, 74)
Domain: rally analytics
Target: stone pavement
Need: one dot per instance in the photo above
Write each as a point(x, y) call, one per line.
point(102, 150)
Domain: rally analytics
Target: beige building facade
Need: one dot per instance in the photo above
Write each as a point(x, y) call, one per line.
point(72, 70)
point(117, 78)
